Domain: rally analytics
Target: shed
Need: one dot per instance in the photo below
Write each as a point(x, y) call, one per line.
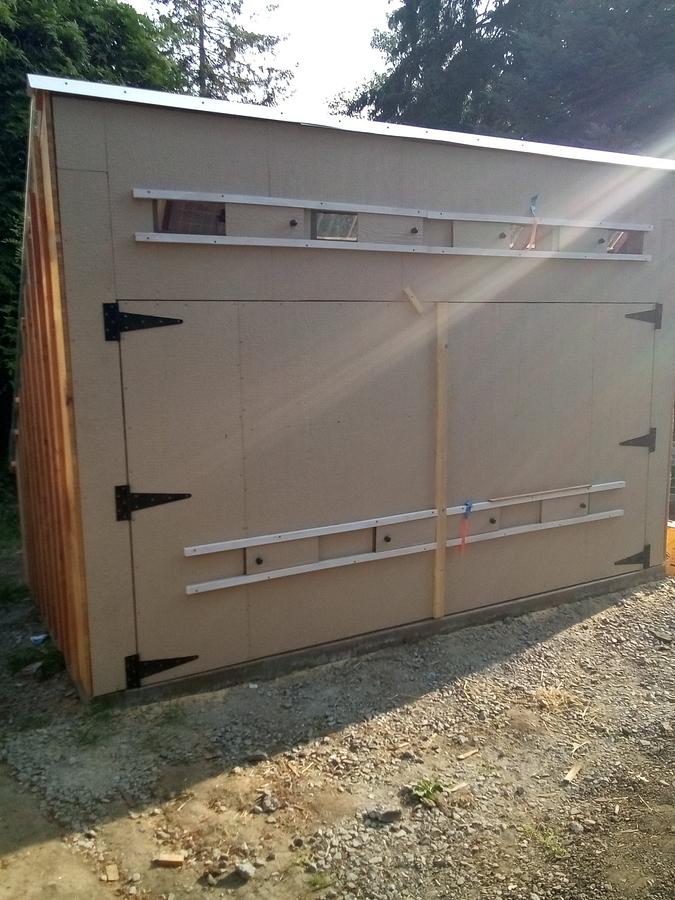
point(287, 384)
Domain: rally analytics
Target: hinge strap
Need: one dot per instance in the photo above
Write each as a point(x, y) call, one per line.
point(653, 316)
point(115, 322)
point(127, 502)
point(136, 669)
point(643, 558)
point(645, 440)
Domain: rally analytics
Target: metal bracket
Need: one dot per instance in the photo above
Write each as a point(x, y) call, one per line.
point(642, 558)
point(654, 316)
point(115, 322)
point(645, 440)
point(136, 670)
point(127, 502)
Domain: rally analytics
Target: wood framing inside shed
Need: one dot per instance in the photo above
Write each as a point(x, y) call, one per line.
point(287, 384)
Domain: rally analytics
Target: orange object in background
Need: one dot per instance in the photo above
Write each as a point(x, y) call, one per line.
point(670, 549)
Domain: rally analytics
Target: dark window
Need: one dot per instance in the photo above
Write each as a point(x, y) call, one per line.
point(189, 217)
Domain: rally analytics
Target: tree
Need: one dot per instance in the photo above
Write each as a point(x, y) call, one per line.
point(592, 72)
point(97, 40)
point(217, 55)
point(441, 55)
point(595, 73)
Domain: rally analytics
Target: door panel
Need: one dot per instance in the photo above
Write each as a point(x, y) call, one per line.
point(289, 416)
point(540, 397)
point(275, 417)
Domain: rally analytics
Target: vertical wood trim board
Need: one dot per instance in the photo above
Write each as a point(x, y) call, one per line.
point(441, 460)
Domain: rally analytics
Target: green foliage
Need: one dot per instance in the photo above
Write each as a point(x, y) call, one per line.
point(48, 656)
point(440, 54)
point(427, 791)
point(217, 55)
point(95, 40)
point(319, 881)
point(595, 73)
point(10, 537)
point(12, 593)
point(547, 839)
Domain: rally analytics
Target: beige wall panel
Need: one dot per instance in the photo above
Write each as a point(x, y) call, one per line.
point(370, 168)
point(183, 416)
point(480, 522)
point(487, 235)
point(522, 514)
point(566, 508)
point(438, 233)
point(338, 412)
point(662, 405)
point(174, 149)
point(520, 392)
point(506, 568)
point(483, 279)
point(622, 385)
point(335, 275)
point(325, 606)
point(540, 397)
point(79, 134)
point(89, 282)
point(282, 555)
point(391, 229)
point(350, 543)
point(405, 534)
point(265, 221)
point(156, 148)
point(193, 272)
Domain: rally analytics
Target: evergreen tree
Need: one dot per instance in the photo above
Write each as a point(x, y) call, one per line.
point(440, 55)
point(595, 73)
point(590, 72)
point(96, 40)
point(218, 55)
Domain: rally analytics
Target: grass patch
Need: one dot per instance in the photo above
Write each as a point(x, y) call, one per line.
point(548, 840)
point(554, 699)
point(49, 657)
point(427, 791)
point(13, 593)
point(319, 881)
point(10, 531)
point(94, 727)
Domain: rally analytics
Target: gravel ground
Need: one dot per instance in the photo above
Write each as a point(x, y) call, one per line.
point(529, 759)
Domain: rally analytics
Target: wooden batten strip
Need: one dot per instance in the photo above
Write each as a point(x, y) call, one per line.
point(441, 458)
point(46, 467)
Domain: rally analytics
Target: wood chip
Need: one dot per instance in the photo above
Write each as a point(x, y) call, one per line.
point(572, 774)
point(458, 787)
point(169, 860)
point(111, 873)
point(468, 753)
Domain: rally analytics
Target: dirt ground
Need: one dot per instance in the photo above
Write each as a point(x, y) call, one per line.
point(431, 770)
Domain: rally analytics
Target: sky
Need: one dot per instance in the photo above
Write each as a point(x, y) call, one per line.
point(328, 44)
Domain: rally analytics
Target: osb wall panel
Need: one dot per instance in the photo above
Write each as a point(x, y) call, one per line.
point(45, 447)
point(156, 148)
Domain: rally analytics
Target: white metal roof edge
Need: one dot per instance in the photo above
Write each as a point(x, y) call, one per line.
point(363, 126)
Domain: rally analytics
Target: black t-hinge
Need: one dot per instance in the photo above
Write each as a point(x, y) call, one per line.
point(654, 316)
point(127, 502)
point(643, 558)
point(115, 322)
point(136, 669)
point(644, 440)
